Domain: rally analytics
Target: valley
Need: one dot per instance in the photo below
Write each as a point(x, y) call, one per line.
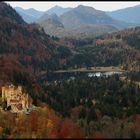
point(68, 72)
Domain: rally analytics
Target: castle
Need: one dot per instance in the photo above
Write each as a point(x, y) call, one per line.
point(15, 98)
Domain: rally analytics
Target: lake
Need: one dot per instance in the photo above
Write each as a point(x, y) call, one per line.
point(72, 75)
point(98, 74)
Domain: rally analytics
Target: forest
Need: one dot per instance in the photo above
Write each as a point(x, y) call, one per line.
point(119, 48)
point(84, 107)
point(79, 107)
point(88, 100)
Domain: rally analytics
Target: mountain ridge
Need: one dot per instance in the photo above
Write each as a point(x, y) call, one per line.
point(58, 10)
point(29, 15)
point(81, 19)
point(129, 14)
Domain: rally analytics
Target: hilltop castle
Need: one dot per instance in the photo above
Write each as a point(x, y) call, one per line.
point(15, 98)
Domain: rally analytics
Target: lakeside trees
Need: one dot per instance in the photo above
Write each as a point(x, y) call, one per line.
point(97, 96)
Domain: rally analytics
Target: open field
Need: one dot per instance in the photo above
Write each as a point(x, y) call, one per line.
point(92, 69)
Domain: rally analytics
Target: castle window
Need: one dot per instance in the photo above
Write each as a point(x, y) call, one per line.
point(19, 106)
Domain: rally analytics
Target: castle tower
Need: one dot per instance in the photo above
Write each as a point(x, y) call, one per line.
point(20, 89)
point(27, 101)
point(23, 103)
point(3, 93)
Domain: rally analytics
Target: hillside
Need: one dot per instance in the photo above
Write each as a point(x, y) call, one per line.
point(84, 15)
point(75, 105)
point(51, 24)
point(27, 42)
point(119, 48)
point(93, 30)
point(5, 12)
point(85, 21)
point(88, 28)
point(29, 15)
point(28, 48)
point(80, 21)
point(127, 14)
point(35, 51)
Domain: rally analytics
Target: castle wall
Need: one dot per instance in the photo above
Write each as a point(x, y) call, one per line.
point(15, 98)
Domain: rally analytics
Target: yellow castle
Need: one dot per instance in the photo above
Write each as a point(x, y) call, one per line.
point(16, 98)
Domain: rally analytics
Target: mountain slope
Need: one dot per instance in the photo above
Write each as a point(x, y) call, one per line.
point(116, 49)
point(93, 30)
point(80, 21)
point(25, 51)
point(5, 12)
point(76, 22)
point(84, 15)
point(29, 15)
point(57, 10)
point(128, 14)
point(51, 24)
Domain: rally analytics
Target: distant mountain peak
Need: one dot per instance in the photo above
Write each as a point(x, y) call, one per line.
point(85, 7)
point(33, 10)
point(58, 10)
point(29, 15)
point(82, 6)
point(56, 6)
point(53, 17)
point(84, 15)
point(30, 9)
point(18, 8)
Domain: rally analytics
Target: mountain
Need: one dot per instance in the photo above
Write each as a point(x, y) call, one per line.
point(51, 24)
point(25, 51)
point(82, 20)
point(29, 15)
point(93, 30)
point(57, 10)
point(82, 103)
point(5, 12)
point(120, 48)
point(46, 16)
point(84, 15)
point(127, 14)
point(54, 27)
point(27, 42)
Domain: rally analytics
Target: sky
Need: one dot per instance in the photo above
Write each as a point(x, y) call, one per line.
point(102, 5)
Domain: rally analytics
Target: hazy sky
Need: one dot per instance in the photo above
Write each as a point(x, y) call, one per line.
point(102, 5)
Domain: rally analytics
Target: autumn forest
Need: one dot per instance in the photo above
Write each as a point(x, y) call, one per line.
point(83, 86)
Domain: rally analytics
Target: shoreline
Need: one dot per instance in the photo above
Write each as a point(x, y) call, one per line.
point(92, 69)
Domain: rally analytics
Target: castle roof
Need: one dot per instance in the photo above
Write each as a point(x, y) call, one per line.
point(14, 101)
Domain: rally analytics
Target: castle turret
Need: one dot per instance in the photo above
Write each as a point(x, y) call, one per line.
point(3, 93)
